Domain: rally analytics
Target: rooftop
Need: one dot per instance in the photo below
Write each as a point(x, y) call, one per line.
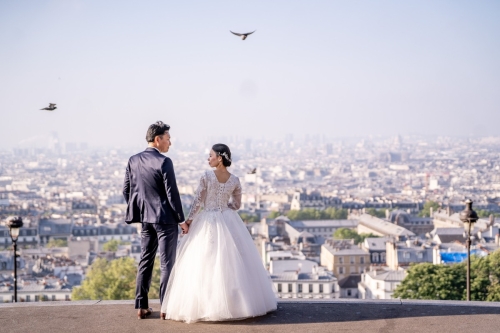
point(384, 227)
point(292, 316)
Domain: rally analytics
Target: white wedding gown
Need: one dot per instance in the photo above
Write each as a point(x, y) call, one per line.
point(218, 274)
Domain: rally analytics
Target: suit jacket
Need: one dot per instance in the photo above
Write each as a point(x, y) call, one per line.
point(150, 189)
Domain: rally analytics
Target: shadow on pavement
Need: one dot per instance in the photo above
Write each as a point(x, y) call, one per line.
point(324, 313)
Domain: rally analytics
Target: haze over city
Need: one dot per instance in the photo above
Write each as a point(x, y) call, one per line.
point(339, 69)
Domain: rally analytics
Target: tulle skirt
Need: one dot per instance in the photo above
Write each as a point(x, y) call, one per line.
point(218, 274)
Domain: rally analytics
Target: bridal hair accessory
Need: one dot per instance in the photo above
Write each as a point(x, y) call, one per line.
point(225, 155)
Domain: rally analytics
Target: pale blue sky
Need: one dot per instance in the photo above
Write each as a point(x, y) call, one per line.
point(340, 68)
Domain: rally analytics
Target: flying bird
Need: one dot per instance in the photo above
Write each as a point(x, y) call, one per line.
point(51, 107)
point(243, 36)
point(253, 171)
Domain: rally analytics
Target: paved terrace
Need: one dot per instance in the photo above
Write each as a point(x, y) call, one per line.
point(305, 316)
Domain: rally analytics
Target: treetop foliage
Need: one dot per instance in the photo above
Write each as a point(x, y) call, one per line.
point(249, 217)
point(112, 245)
point(448, 282)
point(345, 233)
point(114, 280)
point(426, 210)
point(380, 213)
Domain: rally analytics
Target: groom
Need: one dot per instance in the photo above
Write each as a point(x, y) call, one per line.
point(152, 197)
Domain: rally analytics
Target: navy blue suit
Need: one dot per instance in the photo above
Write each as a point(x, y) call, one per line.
point(152, 197)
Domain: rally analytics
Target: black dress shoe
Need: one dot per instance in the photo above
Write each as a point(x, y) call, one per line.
point(143, 313)
point(163, 315)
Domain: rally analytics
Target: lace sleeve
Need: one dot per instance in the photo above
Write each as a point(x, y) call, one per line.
point(199, 197)
point(235, 202)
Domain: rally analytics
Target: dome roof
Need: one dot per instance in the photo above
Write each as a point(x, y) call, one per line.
point(399, 217)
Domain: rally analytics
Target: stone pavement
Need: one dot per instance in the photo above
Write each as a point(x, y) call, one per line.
point(305, 316)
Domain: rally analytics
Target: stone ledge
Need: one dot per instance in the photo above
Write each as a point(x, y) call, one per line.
point(292, 316)
point(396, 301)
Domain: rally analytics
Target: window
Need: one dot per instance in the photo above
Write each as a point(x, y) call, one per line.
point(341, 260)
point(378, 285)
point(349, 293)
point(406, 255)
point(300, 287)
point(362, 260)
point(28, 298)
point(310, 287)
point(67, 298)
point(289, 287)
point(320, 288)
point(53, 297)
point(374, 257)
point(382, 257)
point(37, 298)
point(353, 260)
point(341, 270)
point(420, 255)
point(279, 287)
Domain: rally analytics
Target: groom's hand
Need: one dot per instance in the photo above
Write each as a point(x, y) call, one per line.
point(185, 228)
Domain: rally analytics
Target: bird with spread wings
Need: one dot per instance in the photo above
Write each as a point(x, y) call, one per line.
point(243, 36)
point(51, 107)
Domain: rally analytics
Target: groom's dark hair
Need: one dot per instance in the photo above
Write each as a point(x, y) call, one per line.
point(158, 128)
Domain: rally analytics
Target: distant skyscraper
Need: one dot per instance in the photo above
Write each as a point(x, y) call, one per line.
point(248, 145)
point(329, 149)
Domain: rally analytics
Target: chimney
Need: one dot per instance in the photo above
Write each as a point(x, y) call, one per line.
point(448, 211)
point(492, 220)
point(431, 211)
point(387, 214)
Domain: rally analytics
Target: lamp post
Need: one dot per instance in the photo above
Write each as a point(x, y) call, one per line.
point(14, 224)
point(468, 216)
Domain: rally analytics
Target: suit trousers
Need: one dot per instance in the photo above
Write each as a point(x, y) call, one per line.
point(155, 235)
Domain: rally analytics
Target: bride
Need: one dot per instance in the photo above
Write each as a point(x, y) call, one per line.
point(218, 274)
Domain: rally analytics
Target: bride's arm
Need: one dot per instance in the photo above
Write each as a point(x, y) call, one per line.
point(235, 202)
point(199, 199)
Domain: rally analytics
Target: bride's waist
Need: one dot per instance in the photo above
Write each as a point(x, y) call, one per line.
point(216, 209)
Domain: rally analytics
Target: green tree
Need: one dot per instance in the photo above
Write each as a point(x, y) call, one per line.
point(330, 213)
point(114, 280)
point(274, 215)
point(484, 213)
point(380, 213)
point(345, 233)
point(428, 281)
point(57, 243)
point(426, 210)
point(112, 245)
point(249, 217)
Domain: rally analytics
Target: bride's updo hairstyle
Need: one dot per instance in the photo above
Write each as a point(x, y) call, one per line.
point(223, 151)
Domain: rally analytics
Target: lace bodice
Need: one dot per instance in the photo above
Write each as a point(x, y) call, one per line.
point(215, 196)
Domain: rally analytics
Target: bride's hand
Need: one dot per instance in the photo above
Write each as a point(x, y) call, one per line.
point(185, 228)
point(188, 222)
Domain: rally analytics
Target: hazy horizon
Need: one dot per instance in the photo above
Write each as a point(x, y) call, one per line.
point(340, 69)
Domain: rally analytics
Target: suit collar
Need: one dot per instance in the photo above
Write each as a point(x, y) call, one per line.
point(152, 149)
